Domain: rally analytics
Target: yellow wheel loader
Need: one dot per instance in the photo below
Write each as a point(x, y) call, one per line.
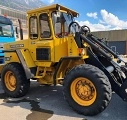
point(60, 51)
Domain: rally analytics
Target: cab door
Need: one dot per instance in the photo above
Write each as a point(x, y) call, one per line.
point(33, 34)
point(41, 40)
point(45, 43)
point(60, 37)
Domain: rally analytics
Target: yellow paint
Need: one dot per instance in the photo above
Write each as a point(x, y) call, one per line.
point(43, 64)
point(72, 47)
point(58, 47)
point(27, 57)
point(52, 8)
point(66, 66)
point(10, 81)
point(16, 45)
point(83, 91)
point(12, 56)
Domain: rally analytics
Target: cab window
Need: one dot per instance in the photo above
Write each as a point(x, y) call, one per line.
point(33, 27)
point(61, 23)
point(44, 26)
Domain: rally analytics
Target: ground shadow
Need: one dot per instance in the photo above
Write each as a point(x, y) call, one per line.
point(48, 100)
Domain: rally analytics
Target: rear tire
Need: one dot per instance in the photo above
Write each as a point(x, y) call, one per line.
point(87, 89)
point(14, 81)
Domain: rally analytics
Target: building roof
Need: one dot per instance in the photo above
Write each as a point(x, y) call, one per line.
point(112, 35)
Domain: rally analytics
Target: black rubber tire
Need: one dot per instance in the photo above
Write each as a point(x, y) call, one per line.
point(99, 80)
point(22, 83)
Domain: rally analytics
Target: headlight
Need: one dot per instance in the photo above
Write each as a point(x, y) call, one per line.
point(81, 51)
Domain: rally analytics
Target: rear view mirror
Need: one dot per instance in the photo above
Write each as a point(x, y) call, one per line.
point(57, 14)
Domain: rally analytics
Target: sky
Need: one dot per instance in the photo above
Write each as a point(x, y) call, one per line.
point(99, 15)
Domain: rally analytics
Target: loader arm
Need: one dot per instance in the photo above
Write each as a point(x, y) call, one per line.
point(101, 56)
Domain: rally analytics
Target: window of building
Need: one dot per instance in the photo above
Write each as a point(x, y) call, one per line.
point(33, 27)
point(44, 26)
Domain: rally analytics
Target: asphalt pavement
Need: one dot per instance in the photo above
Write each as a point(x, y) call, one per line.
point(47, 103)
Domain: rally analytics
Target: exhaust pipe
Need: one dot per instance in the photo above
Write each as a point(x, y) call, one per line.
point(20, 29)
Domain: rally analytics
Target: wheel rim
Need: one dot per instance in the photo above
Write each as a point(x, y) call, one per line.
point(83, 91)
point(10, 81)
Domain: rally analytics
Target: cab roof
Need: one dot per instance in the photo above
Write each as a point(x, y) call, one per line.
point(52, 8)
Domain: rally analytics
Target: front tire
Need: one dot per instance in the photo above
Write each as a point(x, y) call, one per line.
point(14, 81)
point(87, 89)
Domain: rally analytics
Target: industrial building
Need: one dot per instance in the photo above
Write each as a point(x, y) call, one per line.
point(116, 39)
point(14, 15)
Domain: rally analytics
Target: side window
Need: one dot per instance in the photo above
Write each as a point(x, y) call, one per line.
point(44, 26)
point(58, 28)
point(57, 24)
point(33, 27)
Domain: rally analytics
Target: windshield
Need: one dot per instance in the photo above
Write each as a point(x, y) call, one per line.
point(6, 30)
point(61, 23)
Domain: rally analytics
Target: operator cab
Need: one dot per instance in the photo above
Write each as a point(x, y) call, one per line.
point(50, 21)
point(51, 30)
